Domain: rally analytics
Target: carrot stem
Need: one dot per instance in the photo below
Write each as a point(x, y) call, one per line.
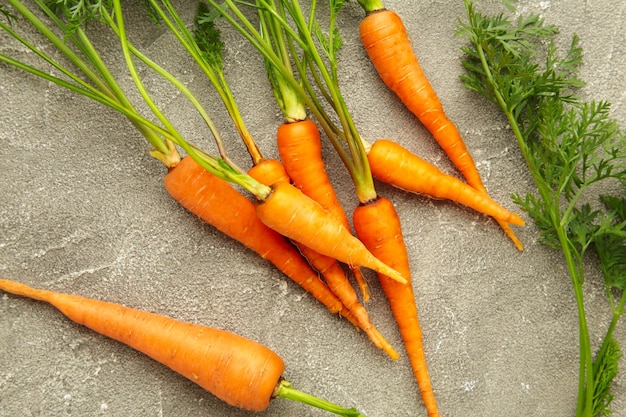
point(285, 390)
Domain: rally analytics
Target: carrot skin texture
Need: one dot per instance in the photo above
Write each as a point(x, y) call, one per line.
point(378, 226)
point(216, 202)
point(385, 40)
point(237, 370)
point(271, 171)
point(291, 213)
point(394, 164)
point(300, 149)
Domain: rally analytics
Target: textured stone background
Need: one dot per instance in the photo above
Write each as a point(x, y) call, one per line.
point(83, 210)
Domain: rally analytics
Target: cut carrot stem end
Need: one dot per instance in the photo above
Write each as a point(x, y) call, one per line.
point(285, 390)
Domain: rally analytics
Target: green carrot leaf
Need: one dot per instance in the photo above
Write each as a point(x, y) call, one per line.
point(207, 36)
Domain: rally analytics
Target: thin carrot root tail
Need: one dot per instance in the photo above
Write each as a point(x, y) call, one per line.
point(17, 288)
point(506, 228)
point(362, 283)
point(385, 345)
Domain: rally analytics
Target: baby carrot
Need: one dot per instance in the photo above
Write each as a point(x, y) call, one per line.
point(386, 42)
point(237, 370)
point(288, 211)
point(378, 226)
point(395, 165)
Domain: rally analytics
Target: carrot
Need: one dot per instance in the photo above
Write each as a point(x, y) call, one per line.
point(387, 44)
point(378, 226)
point(216, 202)
point(271, 171)
point(395, 165)
point(288, 211)
point(300, 150)
point(237, 370)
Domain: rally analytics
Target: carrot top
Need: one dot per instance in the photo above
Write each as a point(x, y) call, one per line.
point(371, 5)
point(318, 62)
point(90, 76)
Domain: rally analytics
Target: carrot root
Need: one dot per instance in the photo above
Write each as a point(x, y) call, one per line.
point(294, 215)
point(395, 165)
point(378, 226)
point(237, 370)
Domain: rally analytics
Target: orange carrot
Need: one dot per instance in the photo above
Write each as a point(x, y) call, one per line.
point(288, 211)
point(385, 39)
point(393, 164)
point(300, 150)
point(378, 226)
point(271, 171)
point(239, 371)
point(219, 204)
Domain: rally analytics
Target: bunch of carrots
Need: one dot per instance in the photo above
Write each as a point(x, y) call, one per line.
point(284, 210)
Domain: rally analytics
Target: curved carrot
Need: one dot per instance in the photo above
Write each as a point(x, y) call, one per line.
point(385, 39)
point(378, 226)
point(395, 165)
point(300, 150)
point(216, 202)
point(271, 171)
point(239, 371)
point(283, 211)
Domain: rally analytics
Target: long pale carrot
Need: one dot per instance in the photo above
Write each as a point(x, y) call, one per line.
point(387, 44)
point(300, 150)
point(271, 171)
point(237, 370)
point(394, 164)
point(378, 226)
point(220, 205)
point(288, 211)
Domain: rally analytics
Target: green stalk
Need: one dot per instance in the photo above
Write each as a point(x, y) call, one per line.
point(371, 5)
point(285, 390)
point(357, 164)
point(223, 168)
point(242, 25)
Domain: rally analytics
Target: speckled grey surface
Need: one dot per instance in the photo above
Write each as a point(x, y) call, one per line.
point(83, 210)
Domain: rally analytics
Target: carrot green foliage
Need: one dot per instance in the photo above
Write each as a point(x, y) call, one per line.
point(571, 147)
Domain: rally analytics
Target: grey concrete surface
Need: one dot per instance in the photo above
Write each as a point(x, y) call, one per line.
point(83, 210)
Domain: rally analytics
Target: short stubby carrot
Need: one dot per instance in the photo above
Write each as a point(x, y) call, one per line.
point(385, 39)
point(300, 149)
point(271, 171)
point(237, 370)
point(294, 215)
point(216, 202)
point(378, 226)
point(395, 165)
